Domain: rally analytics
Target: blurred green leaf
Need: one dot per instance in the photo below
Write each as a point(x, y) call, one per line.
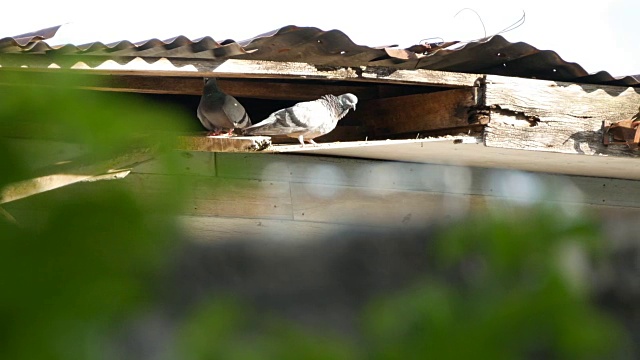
point(502, 293)
point(226, 328)
point(81, 258)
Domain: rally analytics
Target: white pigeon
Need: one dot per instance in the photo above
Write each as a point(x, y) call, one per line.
point(306, 120)
point(219, 112)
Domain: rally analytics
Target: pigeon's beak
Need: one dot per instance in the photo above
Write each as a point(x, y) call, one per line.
point(354, 107)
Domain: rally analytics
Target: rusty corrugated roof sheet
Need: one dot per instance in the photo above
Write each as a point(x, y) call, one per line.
point(24, 41)
point(493, 55)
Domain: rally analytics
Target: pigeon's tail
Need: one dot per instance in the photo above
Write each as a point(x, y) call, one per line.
point(260, 128)
point(249, 130)
point(252, 130)
point(244, 122)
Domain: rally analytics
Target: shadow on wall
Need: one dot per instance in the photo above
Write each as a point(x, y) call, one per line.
point(98, 271)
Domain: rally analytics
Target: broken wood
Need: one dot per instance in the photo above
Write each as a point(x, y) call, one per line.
point(554, 116)
point(223, 143)
point(626, 132)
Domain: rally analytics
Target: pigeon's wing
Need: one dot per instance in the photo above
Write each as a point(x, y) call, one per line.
point(235, 112)
point(220, 111)
point(299, 118)
point(211, 117)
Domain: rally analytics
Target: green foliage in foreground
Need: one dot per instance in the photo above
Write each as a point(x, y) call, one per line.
point(502, 287)
point(78, 261)
point(510, 287)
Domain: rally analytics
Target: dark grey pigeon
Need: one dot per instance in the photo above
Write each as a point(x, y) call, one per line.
point(219, 112)
point(306, 120)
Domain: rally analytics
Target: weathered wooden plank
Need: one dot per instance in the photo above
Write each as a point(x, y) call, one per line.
point(512, 185)
point(145, 84)
point(114, 175)
point(252, 68)
point(207, 228)
point(223, 143)
point(234, 68)
point(70, 173)
point(604, 191)
point(334, 204)
point(207, 196)
point(298, 91)
point(18, 190)
point(420, 112)
point(354, 172)
point(421, 76)
point(367, 206)
point(543, 98)
point(212, 196)
point(250, 88)
point(555, 116)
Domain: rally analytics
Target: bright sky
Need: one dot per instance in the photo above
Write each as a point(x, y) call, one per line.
point(599, 35)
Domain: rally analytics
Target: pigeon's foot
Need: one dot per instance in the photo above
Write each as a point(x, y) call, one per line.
point(302, 140)
point(220, 133)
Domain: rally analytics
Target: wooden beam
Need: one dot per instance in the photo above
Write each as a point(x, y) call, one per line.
point(72, 172)
point(366, 73)
point(555, 116)
point(272, 89)
point(298, 91)
point(234, 68)
point(202, 142)
point(259, 89)
point(112, 175)
point(415, 113)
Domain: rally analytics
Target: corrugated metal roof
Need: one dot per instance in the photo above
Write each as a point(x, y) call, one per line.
point(492, 55)
point(24, 40)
